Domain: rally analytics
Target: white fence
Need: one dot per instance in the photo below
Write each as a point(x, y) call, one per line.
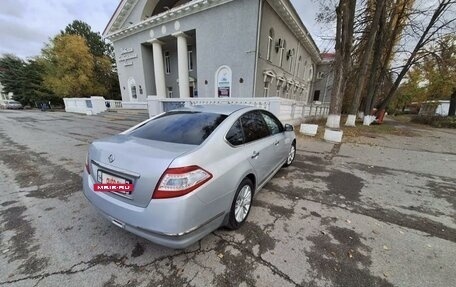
point(135, 105)
point(114, 104)
point(96, 105)
point(435, 108)
point(88, 106)
point(288, 111)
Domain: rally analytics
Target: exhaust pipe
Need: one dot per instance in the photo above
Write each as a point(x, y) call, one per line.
point(118, 223)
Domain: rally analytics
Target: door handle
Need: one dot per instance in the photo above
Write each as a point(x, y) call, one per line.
point(255, 154)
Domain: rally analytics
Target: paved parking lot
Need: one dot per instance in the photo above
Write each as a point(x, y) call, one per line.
point(375, 211)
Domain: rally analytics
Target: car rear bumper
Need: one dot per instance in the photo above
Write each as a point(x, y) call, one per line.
point(175, 223)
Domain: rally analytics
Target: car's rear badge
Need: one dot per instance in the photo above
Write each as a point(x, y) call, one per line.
point(111, 158)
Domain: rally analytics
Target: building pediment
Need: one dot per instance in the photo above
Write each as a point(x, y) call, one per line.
point(154, 12)
point(122, 12)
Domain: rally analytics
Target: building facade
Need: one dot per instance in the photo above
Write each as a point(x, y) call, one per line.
point(4, 95)
point(324, 79)
point(212, 48)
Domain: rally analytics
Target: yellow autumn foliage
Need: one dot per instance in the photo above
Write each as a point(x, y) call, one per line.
point(70, 68)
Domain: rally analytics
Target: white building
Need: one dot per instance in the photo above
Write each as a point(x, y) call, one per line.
point(435, 108)
point(3, 95)
point(212, 48)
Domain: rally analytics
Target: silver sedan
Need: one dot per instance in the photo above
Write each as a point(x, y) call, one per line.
point(190, 171)
point(11, 105)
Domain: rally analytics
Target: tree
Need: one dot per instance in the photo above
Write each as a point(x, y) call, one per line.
point(434, 78)
point(99, 48)
point(412, 90)
point(398, 32)
point(70, 67)
point(438, 70)
point(11, 70)
point(452, 109)
point(345, 15)
point(33, 89)
point(426, 35)
point(397, 16)
point(366, 55)
point(24, 79)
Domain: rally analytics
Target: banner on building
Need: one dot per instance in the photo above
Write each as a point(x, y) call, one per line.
point(223, 80)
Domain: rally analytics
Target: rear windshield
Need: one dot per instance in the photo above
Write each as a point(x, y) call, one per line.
point(180, 127)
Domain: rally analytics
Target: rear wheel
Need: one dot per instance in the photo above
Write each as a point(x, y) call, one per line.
point(291, 155)
point(240, 208)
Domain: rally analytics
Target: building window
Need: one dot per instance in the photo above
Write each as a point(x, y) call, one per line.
point(269, 77)
point(296, 91)
point(304, 71)
point(292, 54)
point(299, 66)
point(190, 58)
point(133, 92)
point(170, 92)
point(283, 47)
point(270, 44)
point(286, 90)
point(266, 89)
point(280, 86)
point(167, 63)
point(316, 95)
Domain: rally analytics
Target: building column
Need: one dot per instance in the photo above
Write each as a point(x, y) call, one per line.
point(182, 58)
point(159, 68)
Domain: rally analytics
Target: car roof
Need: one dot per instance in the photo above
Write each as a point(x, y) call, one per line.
point(223, 109)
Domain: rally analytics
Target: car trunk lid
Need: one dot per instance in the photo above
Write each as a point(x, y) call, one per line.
point(139, 161)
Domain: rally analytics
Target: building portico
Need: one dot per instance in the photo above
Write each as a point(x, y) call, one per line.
point(183, 65)
point(159, 68)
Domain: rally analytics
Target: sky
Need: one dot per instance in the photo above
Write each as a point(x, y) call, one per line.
point(26, 25)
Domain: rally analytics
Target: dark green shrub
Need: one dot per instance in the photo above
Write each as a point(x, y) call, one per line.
point(436, 121)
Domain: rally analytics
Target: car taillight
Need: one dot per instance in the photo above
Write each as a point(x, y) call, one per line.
point(176, 182)
point(87, 167)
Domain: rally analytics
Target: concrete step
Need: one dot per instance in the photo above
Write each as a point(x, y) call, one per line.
point(123, 114)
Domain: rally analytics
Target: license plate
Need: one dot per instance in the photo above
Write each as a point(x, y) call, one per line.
point(107, 178)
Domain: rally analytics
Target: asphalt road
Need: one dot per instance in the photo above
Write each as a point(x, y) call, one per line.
point(376, 212)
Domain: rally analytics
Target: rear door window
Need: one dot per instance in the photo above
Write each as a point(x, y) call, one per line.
point(180, 127)
point(254, 126)
point(235, 136)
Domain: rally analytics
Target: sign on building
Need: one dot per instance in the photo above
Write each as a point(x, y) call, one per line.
point(223, 82)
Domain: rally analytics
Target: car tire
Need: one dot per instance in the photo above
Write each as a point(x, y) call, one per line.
point(291, 155)
point(242, 203)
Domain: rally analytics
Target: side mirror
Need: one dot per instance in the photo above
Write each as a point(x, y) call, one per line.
point(289, 128)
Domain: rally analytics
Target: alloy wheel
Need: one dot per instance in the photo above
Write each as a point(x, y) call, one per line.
point(243, 202)
point(291, 155)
